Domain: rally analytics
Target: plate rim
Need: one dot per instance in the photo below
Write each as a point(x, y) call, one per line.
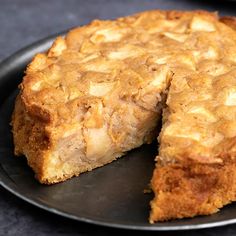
point(18, 59)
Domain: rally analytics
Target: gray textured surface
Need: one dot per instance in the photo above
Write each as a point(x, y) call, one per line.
point(23, 22)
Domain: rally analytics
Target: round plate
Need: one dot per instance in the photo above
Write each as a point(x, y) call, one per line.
point(110, 196)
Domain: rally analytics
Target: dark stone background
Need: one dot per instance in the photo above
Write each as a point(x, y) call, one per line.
point(25, 21)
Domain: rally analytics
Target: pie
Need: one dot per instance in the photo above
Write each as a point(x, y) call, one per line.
point(102, 89)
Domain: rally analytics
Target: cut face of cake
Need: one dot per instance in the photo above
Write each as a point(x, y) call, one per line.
point(100, 92)
point(96, 94)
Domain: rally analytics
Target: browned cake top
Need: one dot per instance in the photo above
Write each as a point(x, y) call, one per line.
point(108, 62)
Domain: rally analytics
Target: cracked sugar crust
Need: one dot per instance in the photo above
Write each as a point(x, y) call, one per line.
point(109, 80)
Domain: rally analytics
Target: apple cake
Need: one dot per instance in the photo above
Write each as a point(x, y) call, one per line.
point(101, 90)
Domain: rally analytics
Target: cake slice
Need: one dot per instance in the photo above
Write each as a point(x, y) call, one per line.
point(195, 172)
point(93, 96)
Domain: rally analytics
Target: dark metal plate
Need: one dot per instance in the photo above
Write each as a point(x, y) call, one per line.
point(109, 196)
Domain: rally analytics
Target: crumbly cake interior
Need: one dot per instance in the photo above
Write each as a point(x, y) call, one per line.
point(99, 92)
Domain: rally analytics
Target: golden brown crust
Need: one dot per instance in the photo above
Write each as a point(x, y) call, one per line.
point(187, 191)
point(30, 137)
point(171, 15)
